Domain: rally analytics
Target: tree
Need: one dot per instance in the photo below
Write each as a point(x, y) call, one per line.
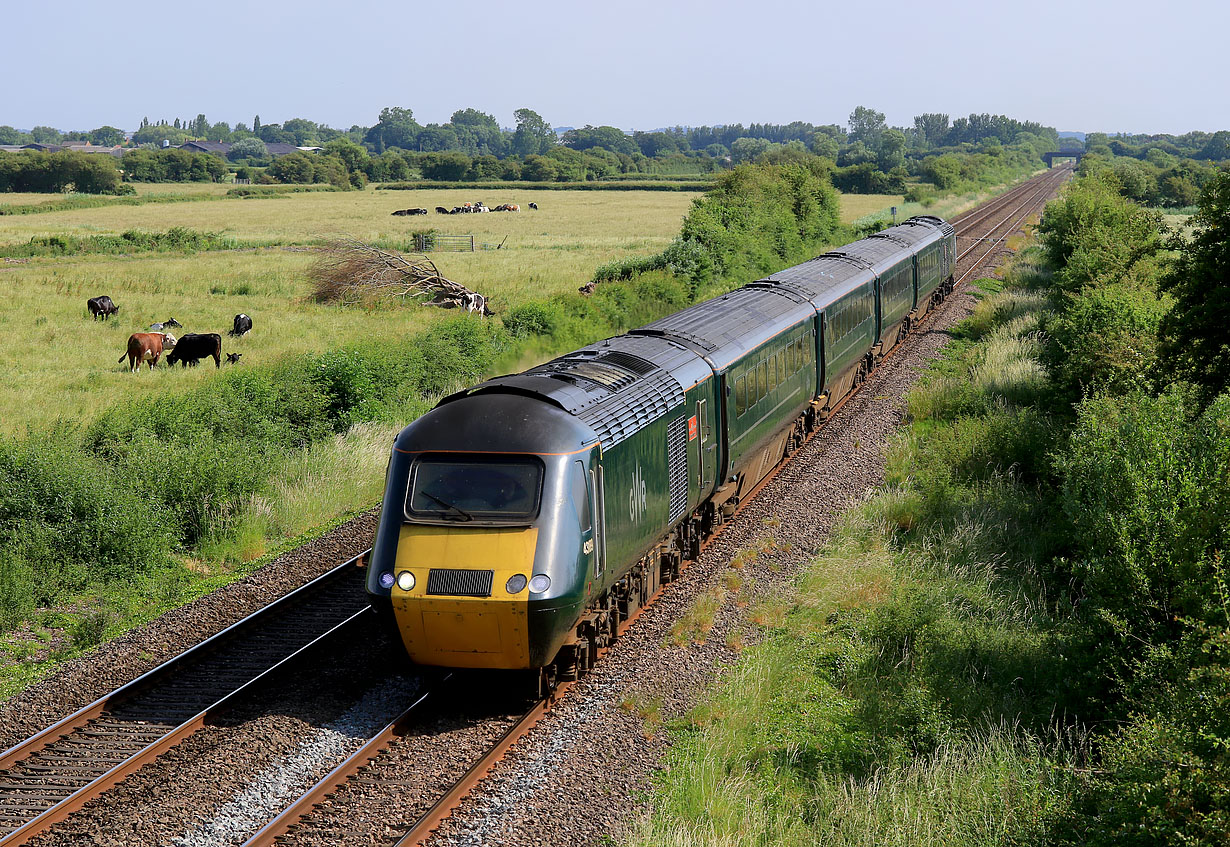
point(606, 137)
point(867, 125)
point(396, 128)
point(1218, 148)
point(892, 149)
point(106, 136)
point(1196, 331)
point(46, 135)
point(305, 133)
point(256, 125)
point(434, 138)
point(823, 144)
point(533, 134)
point(9, 135)
point(932, 128)
point(248, 148)
point(744, 150)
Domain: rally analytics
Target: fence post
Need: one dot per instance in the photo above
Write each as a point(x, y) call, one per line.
point(471, 243)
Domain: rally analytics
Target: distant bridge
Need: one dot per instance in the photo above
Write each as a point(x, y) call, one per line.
point(1050, 158)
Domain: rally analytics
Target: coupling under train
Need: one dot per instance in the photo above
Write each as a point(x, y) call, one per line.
point(526, 517)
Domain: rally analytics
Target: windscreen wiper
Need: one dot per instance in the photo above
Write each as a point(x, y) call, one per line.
point(465, 516)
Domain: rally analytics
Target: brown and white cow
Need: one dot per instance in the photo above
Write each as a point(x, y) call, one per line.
point(146, 347)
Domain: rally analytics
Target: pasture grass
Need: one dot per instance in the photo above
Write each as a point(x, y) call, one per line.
point(903, 691)
point(74, 372)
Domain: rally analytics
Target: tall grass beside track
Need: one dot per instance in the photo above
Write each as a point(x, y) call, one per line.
point(907, 696)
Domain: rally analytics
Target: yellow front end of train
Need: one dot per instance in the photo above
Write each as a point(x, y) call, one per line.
point(489, 631)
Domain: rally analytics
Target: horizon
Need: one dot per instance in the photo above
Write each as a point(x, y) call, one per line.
point(649, 64)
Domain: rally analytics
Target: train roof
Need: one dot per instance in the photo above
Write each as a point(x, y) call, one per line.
point(830, 276)
point(615, 387)
point(723, 329)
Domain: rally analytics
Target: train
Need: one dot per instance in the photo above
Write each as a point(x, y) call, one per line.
point(526, 517)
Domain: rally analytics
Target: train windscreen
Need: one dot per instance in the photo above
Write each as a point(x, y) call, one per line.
point(459, 490)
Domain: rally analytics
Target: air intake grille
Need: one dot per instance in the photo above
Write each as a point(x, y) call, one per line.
point(677, 465)
point(461, 583)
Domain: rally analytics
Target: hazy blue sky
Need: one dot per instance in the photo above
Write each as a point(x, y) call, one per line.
point(637, 64)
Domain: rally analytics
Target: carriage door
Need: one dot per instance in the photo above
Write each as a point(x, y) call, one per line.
point(598, 510)
point(583, 500)
point(706, 451)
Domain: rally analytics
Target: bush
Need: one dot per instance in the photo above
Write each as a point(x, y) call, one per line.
point(1105, 341)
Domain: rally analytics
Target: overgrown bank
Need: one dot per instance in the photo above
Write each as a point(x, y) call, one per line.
point(1023, 637)
point(120, 516)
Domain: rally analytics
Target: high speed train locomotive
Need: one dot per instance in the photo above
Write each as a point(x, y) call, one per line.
point(525, 517)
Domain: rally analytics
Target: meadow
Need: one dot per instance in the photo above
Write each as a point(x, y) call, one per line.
point(75, 374)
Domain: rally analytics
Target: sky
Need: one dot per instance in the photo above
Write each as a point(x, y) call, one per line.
point(1123, 66)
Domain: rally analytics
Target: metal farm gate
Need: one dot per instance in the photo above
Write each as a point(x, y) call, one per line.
point(426, 242)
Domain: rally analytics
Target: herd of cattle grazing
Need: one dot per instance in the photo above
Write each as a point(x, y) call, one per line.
point(467, 208)
point(188, 350)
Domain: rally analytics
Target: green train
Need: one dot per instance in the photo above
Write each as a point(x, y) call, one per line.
point(526, 517)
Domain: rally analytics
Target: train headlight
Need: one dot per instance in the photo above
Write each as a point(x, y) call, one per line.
point(539, 583)
point(515, 583)
point(405, 580)
point(386, 580)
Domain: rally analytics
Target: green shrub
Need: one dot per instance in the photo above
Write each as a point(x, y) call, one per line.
point(528, 319)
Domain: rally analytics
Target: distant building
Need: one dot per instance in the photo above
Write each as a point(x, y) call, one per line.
point(223, 148)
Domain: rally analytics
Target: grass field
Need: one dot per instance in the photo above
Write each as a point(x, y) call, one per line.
point(75, 374)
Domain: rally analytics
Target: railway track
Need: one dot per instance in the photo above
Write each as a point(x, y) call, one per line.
point(57, 771)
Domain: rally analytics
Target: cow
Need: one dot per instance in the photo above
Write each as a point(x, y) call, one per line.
point(144, 347)
point(476, 303)
point(440, 210)
point(159, 327)
point(233, 358)
point(410, 212)
point(196, 346)
point(243, 325)
point(534, 206)
point(101, 307)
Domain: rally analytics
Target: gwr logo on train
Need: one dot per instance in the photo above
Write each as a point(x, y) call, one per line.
point(692, 428)
point(637, 495)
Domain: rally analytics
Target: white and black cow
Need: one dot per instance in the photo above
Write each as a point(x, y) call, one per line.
point(243, 325)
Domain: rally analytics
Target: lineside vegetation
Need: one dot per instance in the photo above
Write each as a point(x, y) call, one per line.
point(1022, 638)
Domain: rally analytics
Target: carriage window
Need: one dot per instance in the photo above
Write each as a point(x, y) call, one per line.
point(762, 381)
point(464, 490)
point(773, 372)
point(740, 396)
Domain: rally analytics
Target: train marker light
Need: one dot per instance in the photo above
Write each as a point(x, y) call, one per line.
point(540, 583)
point(386, 580)
point(405, 580)
point(515, 583)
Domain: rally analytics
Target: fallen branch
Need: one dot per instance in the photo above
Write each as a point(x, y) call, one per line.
point(354, 272)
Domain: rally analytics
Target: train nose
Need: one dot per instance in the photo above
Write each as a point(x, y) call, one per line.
point(465, 600)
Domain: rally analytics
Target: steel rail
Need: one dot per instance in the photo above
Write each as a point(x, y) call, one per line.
point(20, 753)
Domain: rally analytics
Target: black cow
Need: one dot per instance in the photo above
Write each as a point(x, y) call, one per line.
point(410, 212)
point(534, 206)
point(233, 358)
point(243, 325)
point(168, 322)
point(440, 210)
point(101, 307)
point(196, 346)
